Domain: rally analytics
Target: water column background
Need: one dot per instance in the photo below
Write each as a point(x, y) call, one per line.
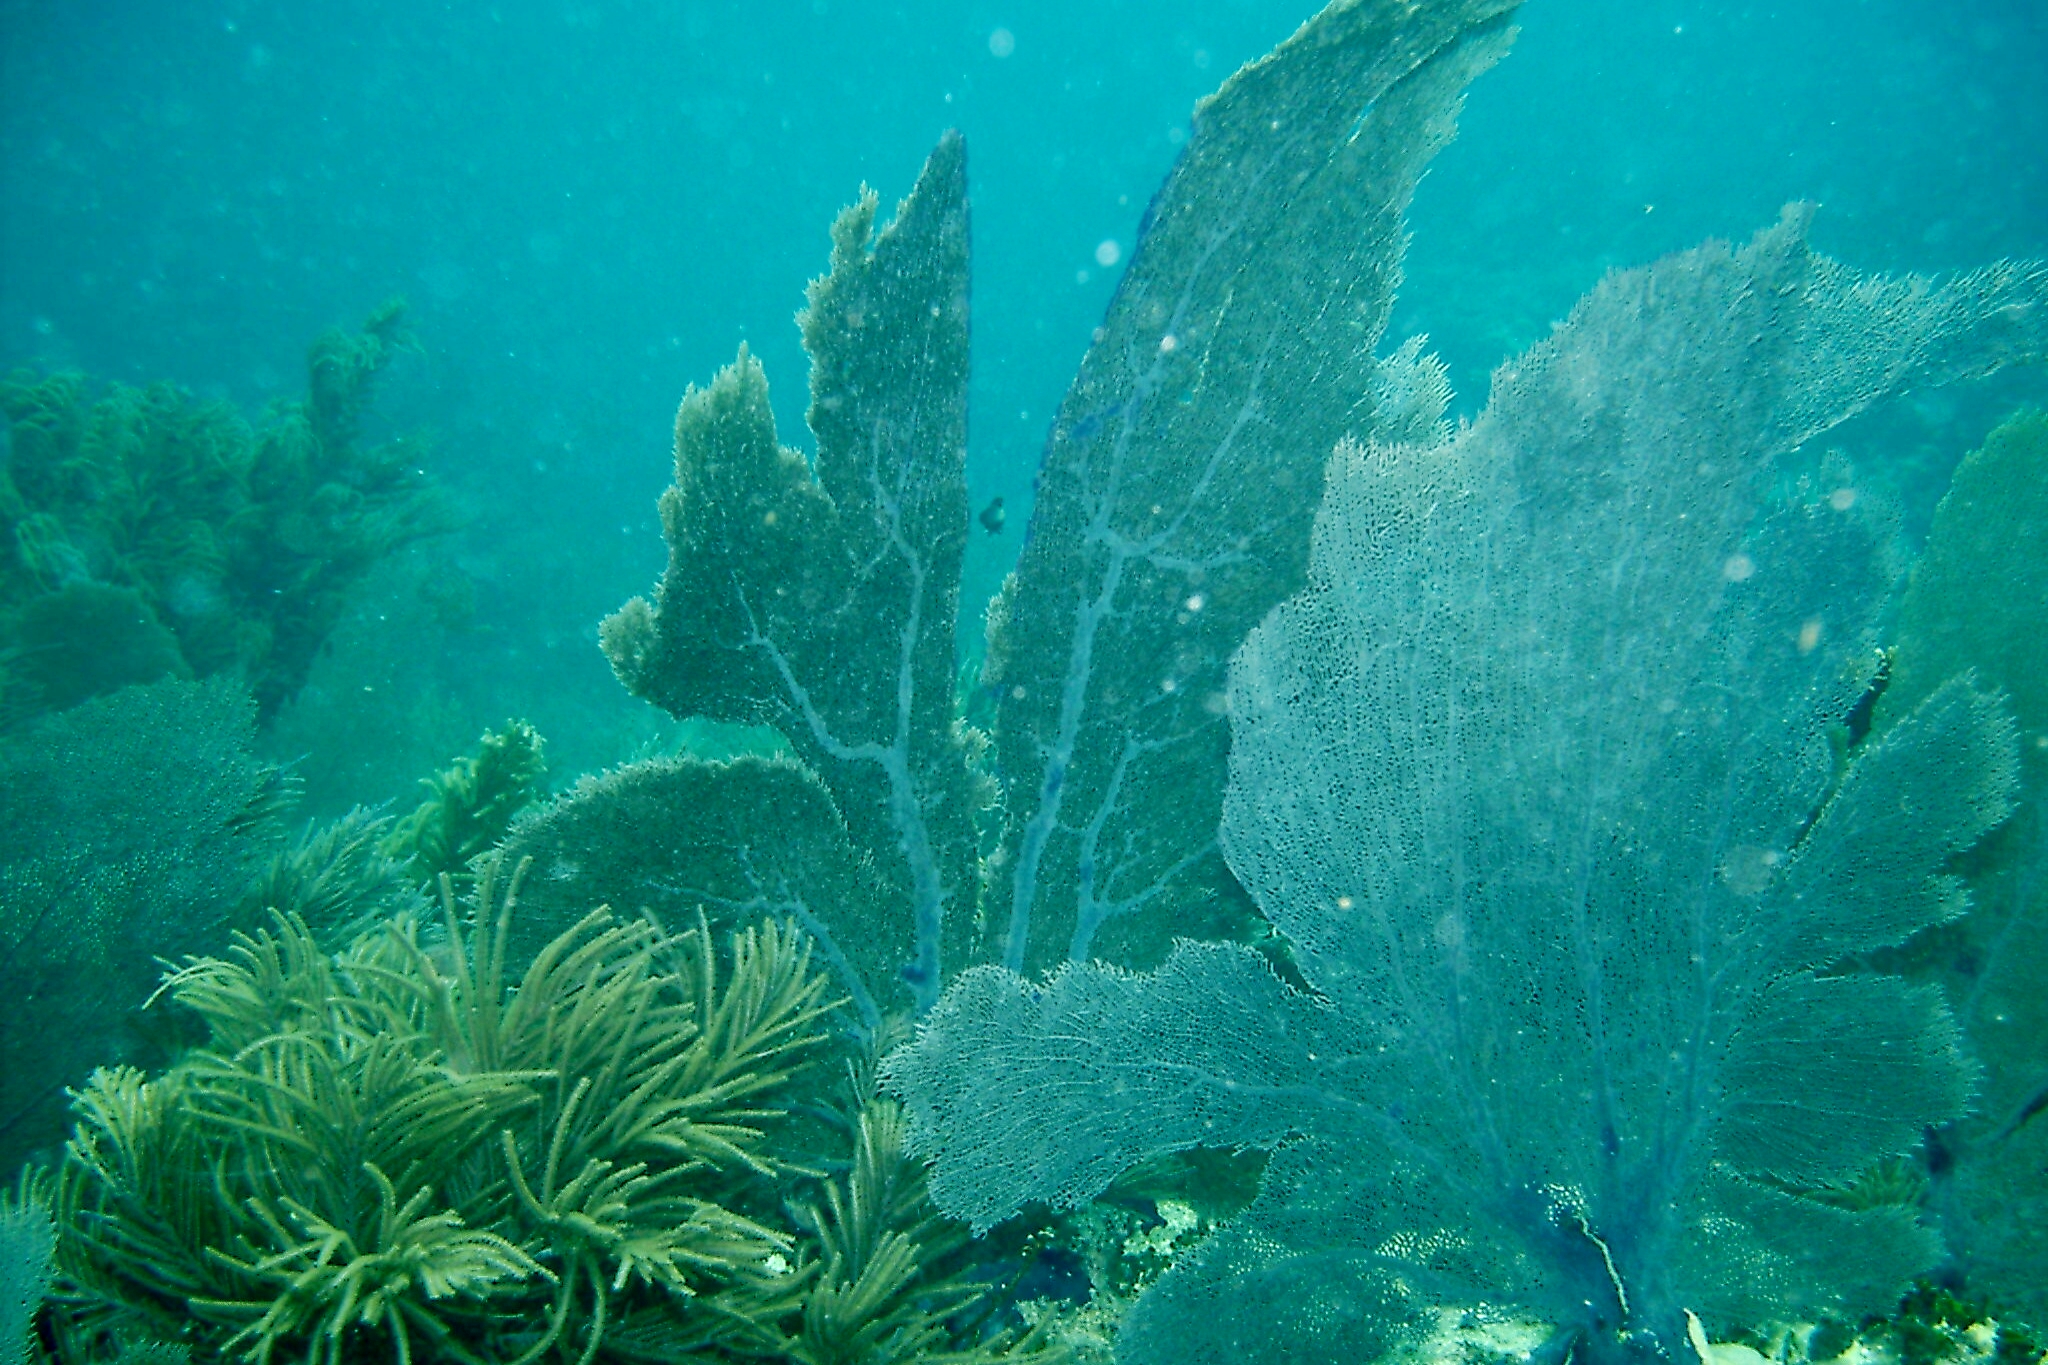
point(590, 205)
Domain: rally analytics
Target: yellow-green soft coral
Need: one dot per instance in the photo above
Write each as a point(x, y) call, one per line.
point(397, 1144)
point(471, 804)
point(396, 1153)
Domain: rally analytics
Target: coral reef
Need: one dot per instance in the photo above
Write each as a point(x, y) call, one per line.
point(1545, 757)
point(1173, 511)
point(399, 1152)
point(1542, 780)
point(1405, 892)
point(130, 822)
point(148, 534)
point(471, 805)
point(1977, 605)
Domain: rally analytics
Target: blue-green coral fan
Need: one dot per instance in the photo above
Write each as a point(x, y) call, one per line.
point(1537, 780)
point(1535, 756)
point(1586, 1003)
point(1173, 511)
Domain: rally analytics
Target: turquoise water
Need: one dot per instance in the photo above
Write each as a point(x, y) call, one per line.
point(587, 209)
point(589, 206)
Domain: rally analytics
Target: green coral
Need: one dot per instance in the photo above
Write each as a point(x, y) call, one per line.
point(471, 805)
point(127, 824)
point(336, 877)
point(889, 1288)
point(1977, 603)
point(401, 1141)
point(1980, 587)
point(730, 840)
point(27, 1240)
point(400, 1153)
point(148, 534)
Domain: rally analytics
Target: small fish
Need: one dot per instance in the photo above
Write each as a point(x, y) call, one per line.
point(991, 517)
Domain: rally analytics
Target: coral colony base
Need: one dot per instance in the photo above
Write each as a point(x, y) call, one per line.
point(1550, 888)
